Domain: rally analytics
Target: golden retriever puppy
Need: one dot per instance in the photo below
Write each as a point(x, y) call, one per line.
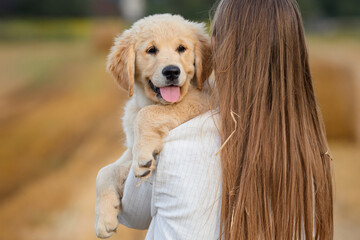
point(163, 61)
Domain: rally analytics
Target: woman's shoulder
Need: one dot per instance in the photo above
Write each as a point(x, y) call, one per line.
point(196, 138)
point(204, 123)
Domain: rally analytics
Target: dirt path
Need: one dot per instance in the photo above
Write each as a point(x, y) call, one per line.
point(61, 205)
point(55, 136)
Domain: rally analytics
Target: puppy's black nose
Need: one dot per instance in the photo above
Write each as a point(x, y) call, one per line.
point(171, 72)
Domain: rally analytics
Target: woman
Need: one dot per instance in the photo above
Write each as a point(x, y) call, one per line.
point(275, 172)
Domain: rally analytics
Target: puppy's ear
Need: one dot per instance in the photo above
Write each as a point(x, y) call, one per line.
point(203, 61)
point(121, 61)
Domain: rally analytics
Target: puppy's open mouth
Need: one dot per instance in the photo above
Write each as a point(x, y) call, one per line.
point(169, 93)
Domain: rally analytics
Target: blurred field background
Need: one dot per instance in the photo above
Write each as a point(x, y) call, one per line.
point(60, 111)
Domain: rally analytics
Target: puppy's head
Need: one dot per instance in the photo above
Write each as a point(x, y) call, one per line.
point(161, 54)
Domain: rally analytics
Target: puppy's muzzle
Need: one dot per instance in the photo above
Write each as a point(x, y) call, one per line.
point(172, 74)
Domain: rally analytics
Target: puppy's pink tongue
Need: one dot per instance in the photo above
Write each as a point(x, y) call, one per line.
point(170, 94)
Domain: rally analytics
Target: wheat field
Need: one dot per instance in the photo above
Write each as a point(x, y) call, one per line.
point(60, 123)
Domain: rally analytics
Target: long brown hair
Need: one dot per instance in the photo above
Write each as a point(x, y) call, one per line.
point(277, 180)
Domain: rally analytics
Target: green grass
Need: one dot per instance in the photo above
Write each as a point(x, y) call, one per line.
point(44, 29)
point(52, 29)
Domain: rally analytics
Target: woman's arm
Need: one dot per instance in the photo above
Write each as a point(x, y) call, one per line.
point(136, 202)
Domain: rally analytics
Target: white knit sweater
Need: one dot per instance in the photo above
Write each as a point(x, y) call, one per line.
point(183, 197)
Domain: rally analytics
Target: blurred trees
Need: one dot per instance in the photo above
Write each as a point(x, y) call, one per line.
point(47, 8)
point(329, 8)
point(193, 9)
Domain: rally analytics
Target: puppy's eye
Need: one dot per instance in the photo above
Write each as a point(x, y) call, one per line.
point(181, 49)
point(152, 50)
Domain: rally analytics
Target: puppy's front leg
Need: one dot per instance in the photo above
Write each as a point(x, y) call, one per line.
point(109, 188)
point(153, 124)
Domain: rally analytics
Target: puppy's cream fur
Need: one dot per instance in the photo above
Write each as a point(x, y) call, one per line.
point(148, 118)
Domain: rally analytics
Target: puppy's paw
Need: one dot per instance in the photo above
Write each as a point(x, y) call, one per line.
point(106, 221)
point(143, 165)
